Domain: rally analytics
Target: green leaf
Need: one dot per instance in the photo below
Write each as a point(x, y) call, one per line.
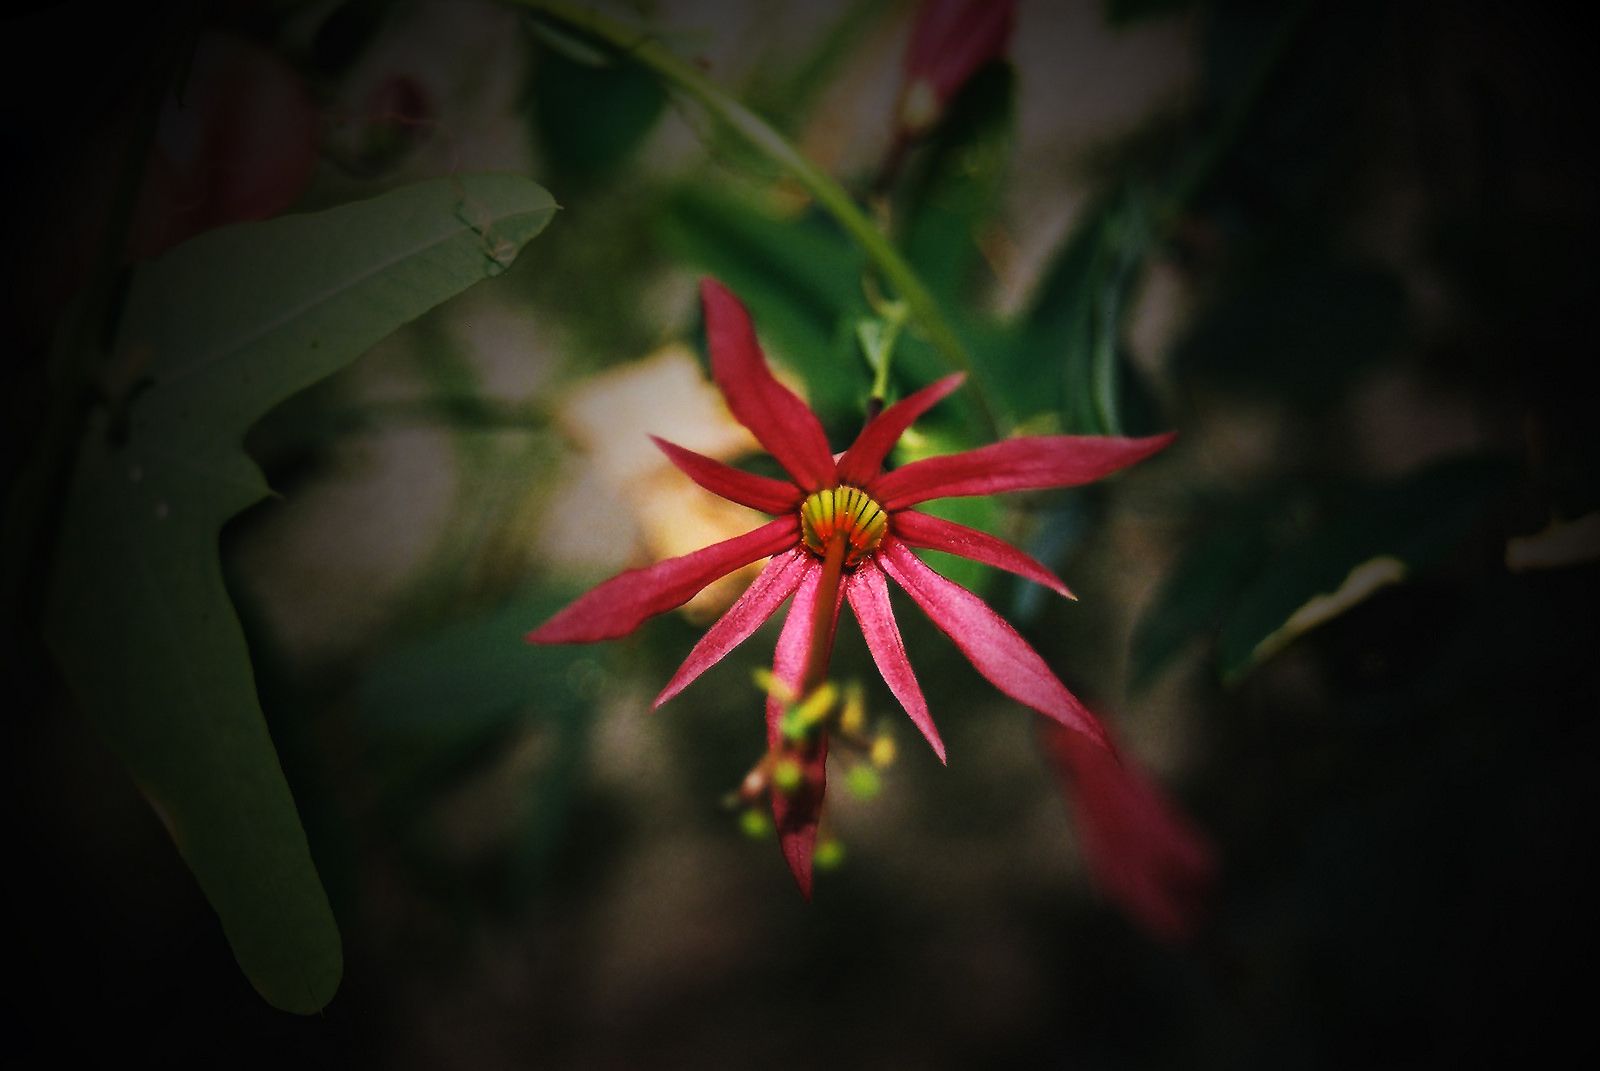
point(444, 709)
point(1196, 594)
point(472, 677)
point(1076, 321)
point(800, 279)
point(984, 512)
point(957, 189)
point(1382, 536)
point(589, 118)
point(215, 334)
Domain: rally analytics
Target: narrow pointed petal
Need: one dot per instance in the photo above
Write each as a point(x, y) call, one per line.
point(864, 460)
point(780, 421)
point(746, 488)
point(936, 533)
point(622, 604)
point(760, 600)
point(992, 646)
point(1143, 853)
point(868, 593)
point(796, 816)
point(1031, 463)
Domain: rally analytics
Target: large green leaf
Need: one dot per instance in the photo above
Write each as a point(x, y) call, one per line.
point(984, 512)
point(956, 190)
point(1075, 323)
point(215, 334)
point(1381, 536)
point(589, 118)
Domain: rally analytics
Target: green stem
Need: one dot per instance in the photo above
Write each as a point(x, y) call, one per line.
point(891, 334)
point(643, 49)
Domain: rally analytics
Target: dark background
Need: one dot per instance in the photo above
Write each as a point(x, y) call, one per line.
point(1388, 266)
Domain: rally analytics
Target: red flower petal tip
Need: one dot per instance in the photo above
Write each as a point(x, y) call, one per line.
point(1143, 853)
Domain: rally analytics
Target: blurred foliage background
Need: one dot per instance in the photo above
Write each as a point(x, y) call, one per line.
point(1348, 620)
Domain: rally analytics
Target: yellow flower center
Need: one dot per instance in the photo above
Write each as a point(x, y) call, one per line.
point(843, 510)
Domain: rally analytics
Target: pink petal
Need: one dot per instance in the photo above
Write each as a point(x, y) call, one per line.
point(1142, 852)
point(796, 816)
point(746, 488)
point(952, 39)
point(869, 600)
point(864, 460)
point(936, 533)
point(777, 582)
point(622, 603)
point(992, 646)
point(777, 417)
point(1030, 463)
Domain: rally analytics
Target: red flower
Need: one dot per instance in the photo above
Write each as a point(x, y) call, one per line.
point(950, 42)
point(1142, 852)
point(842, 526)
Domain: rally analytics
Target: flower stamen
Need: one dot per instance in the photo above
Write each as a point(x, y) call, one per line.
point(847, 511)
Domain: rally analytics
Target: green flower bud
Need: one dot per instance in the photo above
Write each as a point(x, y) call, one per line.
point(757, 825)
point(829, 855)
point(787, 776)
point(863, 782)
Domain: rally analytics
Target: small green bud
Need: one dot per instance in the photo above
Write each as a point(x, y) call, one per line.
point(829, 855)
point(853, 718)
point(769, 683)
point(863, 782)
point(817, 705)
point(787, 776)
point(756, 825)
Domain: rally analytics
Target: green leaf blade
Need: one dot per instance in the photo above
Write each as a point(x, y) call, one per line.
point(1380, 537)
point(139, 618)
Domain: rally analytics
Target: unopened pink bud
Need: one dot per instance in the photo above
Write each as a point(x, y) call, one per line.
point(950, 42)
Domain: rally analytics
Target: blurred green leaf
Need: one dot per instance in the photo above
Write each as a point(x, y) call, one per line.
point(1057, 530)
point(800, 279)
point(957, 186)
point(1381, 536)
point(1076, 320)
point(1201, 586)
point(589, 118)
point(444, 708)
point(983, 512)
point(1282, 87)
point(472, 677)
point(213, 335)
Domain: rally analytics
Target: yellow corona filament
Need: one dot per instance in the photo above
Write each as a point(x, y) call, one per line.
point(846, 511)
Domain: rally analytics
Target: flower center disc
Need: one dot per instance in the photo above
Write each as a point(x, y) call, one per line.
point(846, 510)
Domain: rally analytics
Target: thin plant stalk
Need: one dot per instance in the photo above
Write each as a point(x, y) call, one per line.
point(639, 46)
